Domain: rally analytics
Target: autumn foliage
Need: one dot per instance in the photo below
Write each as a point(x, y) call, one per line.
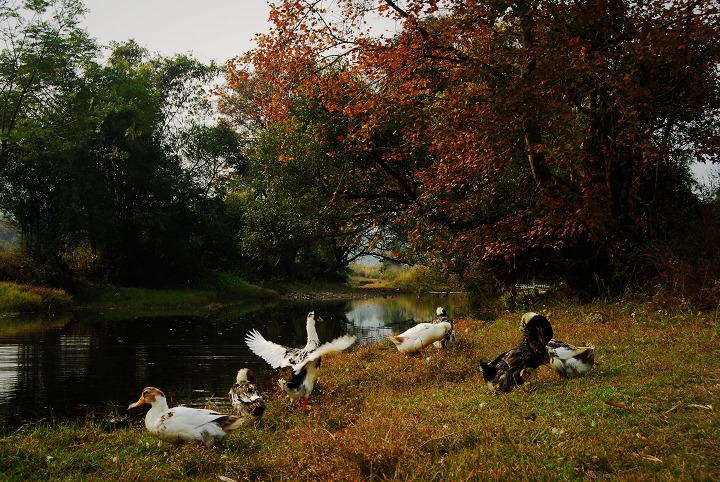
point(512, 135)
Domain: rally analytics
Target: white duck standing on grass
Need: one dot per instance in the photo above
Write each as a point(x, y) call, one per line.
point(244, 396)
point(420, 336)
point(568, 361)
point(305, 362)
point(184, 424)
point(440, 317)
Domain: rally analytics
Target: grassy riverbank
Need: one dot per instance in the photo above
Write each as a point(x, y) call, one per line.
point(24, 298)
point(647, 411)
point(213, 290)
point(219, 289)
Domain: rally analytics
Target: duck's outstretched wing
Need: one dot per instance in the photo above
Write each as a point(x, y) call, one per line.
point(337, 345)
point(277, 356)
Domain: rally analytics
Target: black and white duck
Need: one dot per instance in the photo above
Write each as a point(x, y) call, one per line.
point(244, 396)
point(568, 361)
point(305, 362)
point(513, 367)
point(441, 317)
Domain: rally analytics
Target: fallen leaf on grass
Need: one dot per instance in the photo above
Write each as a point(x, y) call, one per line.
point(704, 407)
point(615, 404)
point(652, 458)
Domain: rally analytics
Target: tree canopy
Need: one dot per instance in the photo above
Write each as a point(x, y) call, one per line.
point(521, 139)
point(504, 132)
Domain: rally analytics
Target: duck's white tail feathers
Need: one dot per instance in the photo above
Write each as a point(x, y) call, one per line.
point(562, 350)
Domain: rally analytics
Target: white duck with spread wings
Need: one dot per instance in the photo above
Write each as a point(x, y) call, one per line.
point(305, 362)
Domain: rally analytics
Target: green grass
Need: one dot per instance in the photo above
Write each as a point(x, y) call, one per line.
point(648, 410)
point(218, 290)
point(22, 298)
point(417, 278)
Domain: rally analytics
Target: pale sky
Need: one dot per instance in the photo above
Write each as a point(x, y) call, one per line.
point(210, 30)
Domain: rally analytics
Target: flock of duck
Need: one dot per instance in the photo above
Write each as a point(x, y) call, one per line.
point(508, 370)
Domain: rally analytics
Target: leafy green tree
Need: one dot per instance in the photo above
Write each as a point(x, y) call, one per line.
point(153, 192)
point(40, 64)
point(122, 159)
point(42, 44)
point(307, 179)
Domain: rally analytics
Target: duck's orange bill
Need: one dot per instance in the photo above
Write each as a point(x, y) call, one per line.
point(319, 319)
point(137, 404)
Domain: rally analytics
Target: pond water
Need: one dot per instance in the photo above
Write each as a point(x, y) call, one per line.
point(94, 364)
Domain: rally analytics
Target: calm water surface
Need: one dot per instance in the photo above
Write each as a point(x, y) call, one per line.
point(88, 363)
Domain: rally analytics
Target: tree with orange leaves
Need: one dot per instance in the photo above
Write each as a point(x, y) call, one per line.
point(552, 133)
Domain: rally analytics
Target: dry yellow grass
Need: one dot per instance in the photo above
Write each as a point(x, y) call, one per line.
point(648, 410)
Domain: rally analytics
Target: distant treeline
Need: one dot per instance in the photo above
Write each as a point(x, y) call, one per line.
point(493, 147)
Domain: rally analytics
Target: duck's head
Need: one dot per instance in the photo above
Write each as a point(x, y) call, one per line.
point(312, 318)
point(440, 311)
point(245, 375)
point(149, 395)
point(524, 319)
point(538, 328)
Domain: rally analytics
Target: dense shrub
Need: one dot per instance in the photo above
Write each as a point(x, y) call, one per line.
point(31, 299)
point(685, 269)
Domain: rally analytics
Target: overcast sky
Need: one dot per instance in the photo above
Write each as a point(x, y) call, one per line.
point(210, 30)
